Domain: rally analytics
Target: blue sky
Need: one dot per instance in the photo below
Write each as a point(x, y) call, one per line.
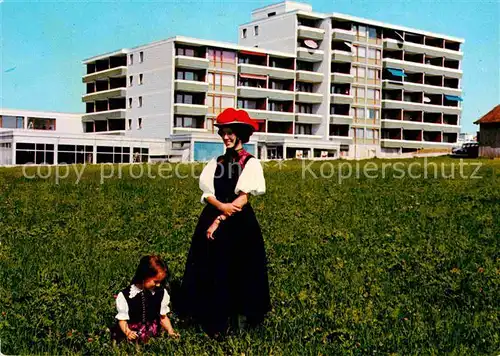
point(43, 43)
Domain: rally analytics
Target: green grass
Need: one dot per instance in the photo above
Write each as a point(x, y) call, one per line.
point(385, 266)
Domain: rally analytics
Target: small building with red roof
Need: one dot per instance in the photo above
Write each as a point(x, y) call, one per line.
point(489, 133)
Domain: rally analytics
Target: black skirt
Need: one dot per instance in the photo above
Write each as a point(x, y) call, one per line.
point(226, 276)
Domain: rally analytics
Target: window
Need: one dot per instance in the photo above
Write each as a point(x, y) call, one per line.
point(11, 122)
point(303, 108)
point(358, 72)
point(307, 66)
point(131, 59)
point(227, 102)
point(304, 87)
point(360, 92)
point(182, 51)
point(256, 30)
point(228, 80)
point(373, 33)
point(189, 122)
point(130, 124)
point(130, 103)
point(70, 154)
point(373, 94)
point(369, 133)
point(141, 56)
point(303, 129)
point(186, 75)
point(271, 14)
point(130, 81)
point(36, 123)
point(139, 123)
point(360, 113)
point(39, 153)
point(277, 85)
point(184, 98)
point(361, 30)
point(373, 74)
point(360, 133)
point(140, 79)
point(244, 33)
point(374, 53)
point(372, 114)
point(140, 101)
point(361, 52)
point(247, 104)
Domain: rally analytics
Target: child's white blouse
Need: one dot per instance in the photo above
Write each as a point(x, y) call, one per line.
point(250, 181)
point(122, 305)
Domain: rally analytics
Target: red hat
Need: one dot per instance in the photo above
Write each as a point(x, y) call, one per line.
point(232, 116)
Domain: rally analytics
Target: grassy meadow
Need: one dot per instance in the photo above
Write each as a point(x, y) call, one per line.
point(388, 265)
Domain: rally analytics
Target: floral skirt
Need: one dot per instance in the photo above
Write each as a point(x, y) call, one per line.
point(145, 331)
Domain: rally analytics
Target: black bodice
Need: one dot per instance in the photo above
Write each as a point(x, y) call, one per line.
point(145, 306)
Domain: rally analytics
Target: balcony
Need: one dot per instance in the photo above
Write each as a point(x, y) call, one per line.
point(309, 77)
point(312, 98)
point(191, 86)
point(342, 78)
point(429, 89)
point(273, 94)
point(309, 55)
point(280, 73)
point(280, 116)
point(342, 56)
point(190, 109)
point(105, 94)
point(343, 35)
point(271, 115)
point(256, 113)
point(107, 73)
point(103, 115)
point(336, 119)
point(311, 33)
point(417, 125)
point(191, 62)
point(343, 140)
point(302, 118)
point(412, 106)
point(341, 99)
point(420, 67)
point(411, 47)
point(391, 143)
point(253, 69)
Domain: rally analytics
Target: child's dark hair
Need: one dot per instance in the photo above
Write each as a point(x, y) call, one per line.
point(149, 267)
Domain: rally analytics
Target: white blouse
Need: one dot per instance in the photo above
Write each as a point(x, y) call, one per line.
point(250, 181)
point(122, 306)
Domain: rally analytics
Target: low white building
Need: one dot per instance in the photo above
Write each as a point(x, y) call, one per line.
point(35, 137)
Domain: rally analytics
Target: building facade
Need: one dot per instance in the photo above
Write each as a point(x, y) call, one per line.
point(321, 85)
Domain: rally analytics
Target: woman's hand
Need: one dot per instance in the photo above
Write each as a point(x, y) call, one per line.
point(229, 209)
point(211, 230)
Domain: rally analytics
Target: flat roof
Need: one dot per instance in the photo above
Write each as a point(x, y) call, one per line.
point(395, 27)
point(23, 112)
point(355, 19)
point(212, 43)
point(105, 55)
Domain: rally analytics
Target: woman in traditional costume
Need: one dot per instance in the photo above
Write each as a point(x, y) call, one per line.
point(226, 273)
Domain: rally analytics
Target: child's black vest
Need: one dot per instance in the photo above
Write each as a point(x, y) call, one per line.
point(144, 306)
